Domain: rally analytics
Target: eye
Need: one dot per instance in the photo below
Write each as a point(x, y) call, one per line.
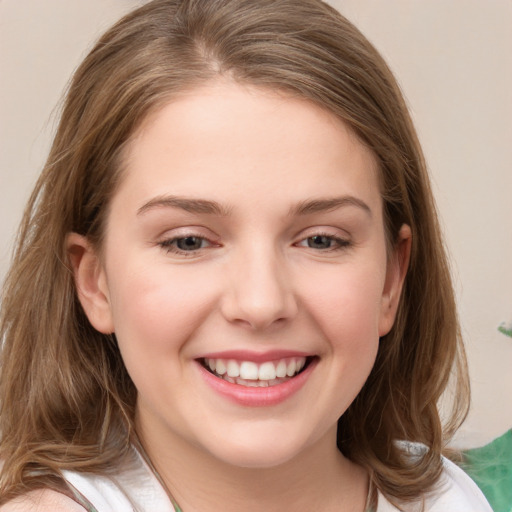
point(320, 242)
point(185, 244)
point(324, 242)
point(190, 243)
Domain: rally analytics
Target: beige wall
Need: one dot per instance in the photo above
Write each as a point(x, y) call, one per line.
point(453, 62)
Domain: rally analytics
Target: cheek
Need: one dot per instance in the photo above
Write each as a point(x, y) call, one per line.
point(346, 306)
point(157, 309)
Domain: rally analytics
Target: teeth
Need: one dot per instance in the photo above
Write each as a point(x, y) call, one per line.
point(267, 371)
point(290, 369)
point(220, 367)
point(249, 373)
point(281, 369)
point(233, 369)
point(249, 370)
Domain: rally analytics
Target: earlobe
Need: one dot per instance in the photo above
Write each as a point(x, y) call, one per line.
point(395, 276)
point(90, 282)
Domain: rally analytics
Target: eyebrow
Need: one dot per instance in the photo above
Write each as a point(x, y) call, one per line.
point(310, 206)
point(205, 206)
point(188, 204)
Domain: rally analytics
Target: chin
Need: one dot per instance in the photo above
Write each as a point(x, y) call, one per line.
point(268, 452)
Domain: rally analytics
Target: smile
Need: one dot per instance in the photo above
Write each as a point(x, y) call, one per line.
point(256, 379)
point(252, 374)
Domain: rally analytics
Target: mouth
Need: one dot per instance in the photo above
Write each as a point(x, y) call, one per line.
point(256, 375)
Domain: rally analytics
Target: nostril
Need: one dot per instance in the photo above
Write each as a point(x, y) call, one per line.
point(259, 316)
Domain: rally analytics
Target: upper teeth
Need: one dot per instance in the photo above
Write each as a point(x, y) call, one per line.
point(250, 370)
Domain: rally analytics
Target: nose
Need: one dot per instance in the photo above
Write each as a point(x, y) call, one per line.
point(259, 292)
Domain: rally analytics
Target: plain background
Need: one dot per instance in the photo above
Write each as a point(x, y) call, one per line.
point(453, 61)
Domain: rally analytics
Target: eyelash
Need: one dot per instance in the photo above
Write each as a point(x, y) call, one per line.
point(171, 245)
point(339, 243)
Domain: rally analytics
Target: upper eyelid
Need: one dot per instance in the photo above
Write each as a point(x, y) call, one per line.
point(330, 231)
point(206, 233)
point(186, 231)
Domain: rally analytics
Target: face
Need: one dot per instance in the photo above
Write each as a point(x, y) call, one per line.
point(244, 273)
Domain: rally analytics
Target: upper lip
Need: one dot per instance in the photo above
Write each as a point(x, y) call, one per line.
point(256, 357)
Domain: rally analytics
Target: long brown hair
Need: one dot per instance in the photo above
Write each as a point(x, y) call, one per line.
point(67, 401)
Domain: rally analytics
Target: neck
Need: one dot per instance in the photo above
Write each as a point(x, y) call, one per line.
point(320, 478)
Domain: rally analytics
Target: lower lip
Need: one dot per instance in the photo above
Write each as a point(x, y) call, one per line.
point(257, 397)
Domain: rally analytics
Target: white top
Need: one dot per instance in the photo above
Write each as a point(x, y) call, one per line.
point(139, 490)
point(457, 493)
point(135, 489)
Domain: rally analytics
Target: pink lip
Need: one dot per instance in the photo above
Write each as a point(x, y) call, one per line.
point(257, 397)
point(256, 357)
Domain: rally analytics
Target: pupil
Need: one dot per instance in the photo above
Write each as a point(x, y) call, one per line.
point(189, 243)
point(319, 242)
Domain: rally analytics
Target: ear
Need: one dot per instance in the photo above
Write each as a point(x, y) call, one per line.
point(90, 282)
point(398, 263)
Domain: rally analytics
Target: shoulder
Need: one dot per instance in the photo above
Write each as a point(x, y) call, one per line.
point(134, 486)
point(455, 491)
point(42, 500)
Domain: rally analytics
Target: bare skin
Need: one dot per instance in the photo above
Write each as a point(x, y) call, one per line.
point(320, 479)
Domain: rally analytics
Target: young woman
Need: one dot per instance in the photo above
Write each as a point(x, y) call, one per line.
point(230, 290)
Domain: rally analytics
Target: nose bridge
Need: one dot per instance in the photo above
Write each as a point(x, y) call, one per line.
point(260, 291)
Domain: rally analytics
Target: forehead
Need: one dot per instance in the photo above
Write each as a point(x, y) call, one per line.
point(224, 137)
